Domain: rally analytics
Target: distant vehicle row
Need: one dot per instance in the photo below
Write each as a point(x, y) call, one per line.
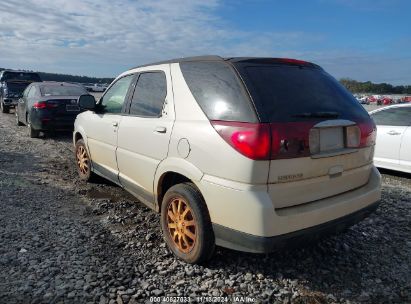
point(382, 100)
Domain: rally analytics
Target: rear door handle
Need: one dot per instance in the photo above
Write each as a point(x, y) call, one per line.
point(392, 132)
point(115, 124)
point(160, 129)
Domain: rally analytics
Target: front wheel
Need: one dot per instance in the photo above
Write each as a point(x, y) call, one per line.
point(83, 161)
point(33, 133)
point(186, 224)
point(18, 122)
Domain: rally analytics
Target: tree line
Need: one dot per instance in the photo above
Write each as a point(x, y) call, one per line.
point(352, 85)
point(377, 88)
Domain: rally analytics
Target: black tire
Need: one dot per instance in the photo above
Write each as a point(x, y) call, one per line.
point(202, 249)
point(18, 122)
point(4, 108)
point(85, 174)
point(33, 133)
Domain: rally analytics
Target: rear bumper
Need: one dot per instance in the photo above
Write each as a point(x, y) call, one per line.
point(241, 241)
point(245, 219)
point(10, 102)
point(43, 123)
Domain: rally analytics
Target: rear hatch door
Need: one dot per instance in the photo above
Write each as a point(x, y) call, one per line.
point(322, 138)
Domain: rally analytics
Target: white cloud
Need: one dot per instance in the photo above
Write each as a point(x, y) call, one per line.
point(105, 37)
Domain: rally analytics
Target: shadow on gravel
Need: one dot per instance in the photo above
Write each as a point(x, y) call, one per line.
point(367, 263)
point(62, 136)
point(395, 173)
point(15, 162)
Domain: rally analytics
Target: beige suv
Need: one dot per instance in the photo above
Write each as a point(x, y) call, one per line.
point(245, 153)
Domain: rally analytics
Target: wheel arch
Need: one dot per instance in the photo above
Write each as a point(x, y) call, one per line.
point(171, 172)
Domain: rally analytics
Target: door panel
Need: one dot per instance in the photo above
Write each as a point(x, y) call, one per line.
point(141, 149)
point(387, 148)
point(405, 152)
point(102, 141)
point(101, 127)
point(143, 141)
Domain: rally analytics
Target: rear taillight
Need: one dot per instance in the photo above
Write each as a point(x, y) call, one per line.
point(253, 140)
point(368, 133)
point(352, 137)
point(290, 140)
point(263, 141)
point(44, 105)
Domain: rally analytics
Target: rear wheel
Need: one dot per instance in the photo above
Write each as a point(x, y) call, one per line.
point(32, 132)
point(186, 224)
point(83, 161)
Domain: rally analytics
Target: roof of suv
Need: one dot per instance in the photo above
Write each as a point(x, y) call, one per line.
point(230, 59)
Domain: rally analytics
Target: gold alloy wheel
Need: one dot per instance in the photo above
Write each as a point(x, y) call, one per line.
point(181, 224)
point(82, 160)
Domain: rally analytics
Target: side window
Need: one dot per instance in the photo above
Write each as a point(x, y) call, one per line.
point(393, 117)
point(149, 95)
point(114, 98)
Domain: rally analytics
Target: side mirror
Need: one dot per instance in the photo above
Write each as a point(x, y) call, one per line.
point(87, 102)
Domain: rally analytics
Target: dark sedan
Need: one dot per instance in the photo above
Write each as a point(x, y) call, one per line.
point(49, 106)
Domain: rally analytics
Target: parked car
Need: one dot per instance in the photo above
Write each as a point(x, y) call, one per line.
point(246, 153)
point(393, 148)
point(94, 87)
point(386, 101)
point(12, 85)
point(364, 100)
point(406, 99)
point(49, 106)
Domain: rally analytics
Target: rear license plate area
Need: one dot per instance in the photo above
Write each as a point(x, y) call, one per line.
point(331, 139)
point(72, 108)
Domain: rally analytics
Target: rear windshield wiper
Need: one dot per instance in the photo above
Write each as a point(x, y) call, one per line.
point(318, 114)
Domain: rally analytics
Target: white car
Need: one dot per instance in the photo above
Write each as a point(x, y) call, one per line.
point(245, 153)
point(393, 148)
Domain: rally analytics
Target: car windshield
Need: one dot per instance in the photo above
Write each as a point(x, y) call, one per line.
point(22, 76)
point(291, 93)
point(62, 90)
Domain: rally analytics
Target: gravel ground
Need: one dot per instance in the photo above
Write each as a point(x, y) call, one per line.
point(63, 241)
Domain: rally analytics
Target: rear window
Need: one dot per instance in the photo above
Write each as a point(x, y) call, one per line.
point(284, 93)
point(16, 87)
point(61, 90)
point(10, 76)
point(218, 91)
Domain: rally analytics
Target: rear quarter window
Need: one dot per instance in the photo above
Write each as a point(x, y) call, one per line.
point(218, 91)
point(282, 92)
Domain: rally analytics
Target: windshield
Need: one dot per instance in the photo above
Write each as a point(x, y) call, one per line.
point(22, 76)
point(294, 93)
point(62, 90)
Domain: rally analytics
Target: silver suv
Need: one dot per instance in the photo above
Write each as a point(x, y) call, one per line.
point(246, 153)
